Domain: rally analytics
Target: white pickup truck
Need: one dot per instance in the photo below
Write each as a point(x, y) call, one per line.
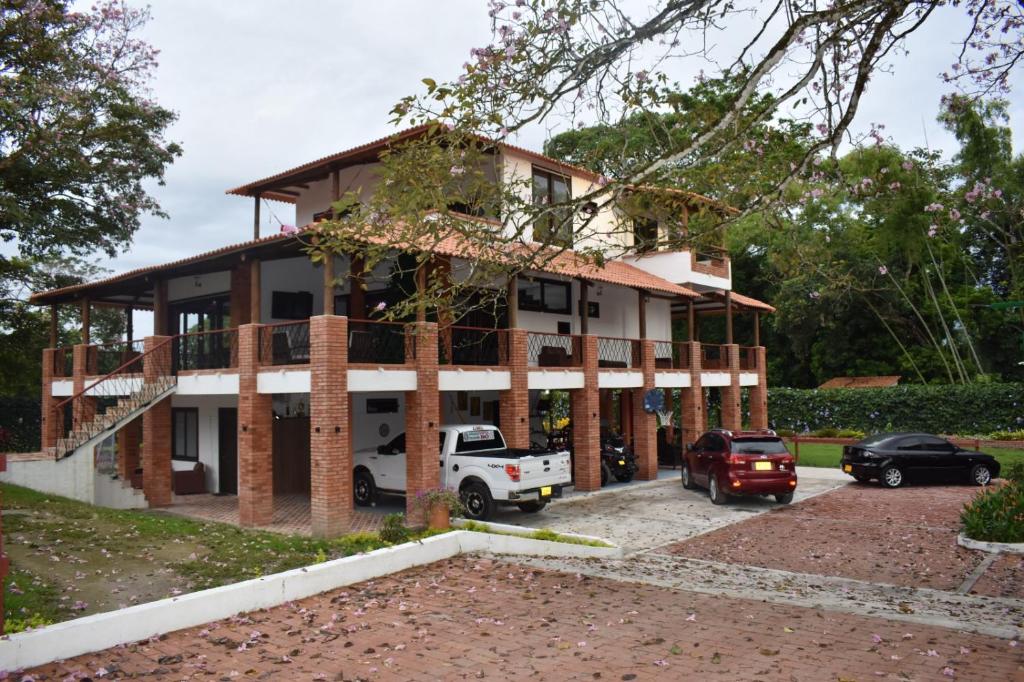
point(475, 462)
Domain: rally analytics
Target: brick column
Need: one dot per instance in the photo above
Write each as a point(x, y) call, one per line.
point(586, 422)
point(514, 406)
point(645, 424)
point(759, 393)
point(52, 423)
point(156, 428)
point(422, 418)
point(693, 412)
point(330, 438)
point(255, 437)
point(83, 409)
point(732, 415)
point(128, 441)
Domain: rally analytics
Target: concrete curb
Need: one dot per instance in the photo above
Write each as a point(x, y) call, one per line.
point(104, 630)
point(509, 544)
point(991, 547)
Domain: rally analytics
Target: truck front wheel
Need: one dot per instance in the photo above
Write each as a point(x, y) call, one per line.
point(363, 489)
point(532, 507)
point(477, 500)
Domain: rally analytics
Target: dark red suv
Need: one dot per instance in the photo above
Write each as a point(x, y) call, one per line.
point(731, 463)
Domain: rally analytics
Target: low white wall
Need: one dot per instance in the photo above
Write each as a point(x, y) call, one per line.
point(551, 380)
point(620, 379)
point(72, 476)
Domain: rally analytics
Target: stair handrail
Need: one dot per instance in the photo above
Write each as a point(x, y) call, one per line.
point(110, 375)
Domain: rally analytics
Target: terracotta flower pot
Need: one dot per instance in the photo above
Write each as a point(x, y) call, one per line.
point(439, 517)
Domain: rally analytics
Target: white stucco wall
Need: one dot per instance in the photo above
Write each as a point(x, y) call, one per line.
point(209, 447)
point(360, 179)
point(195, 286)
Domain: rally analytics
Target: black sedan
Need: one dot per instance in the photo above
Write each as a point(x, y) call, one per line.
point(893, 458)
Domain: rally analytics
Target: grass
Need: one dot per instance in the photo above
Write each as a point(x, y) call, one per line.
point(828, 455)
point(540, 534)
point(70, 559)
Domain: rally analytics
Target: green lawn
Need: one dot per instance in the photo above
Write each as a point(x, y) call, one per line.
point(70, 559)
point(828, 455)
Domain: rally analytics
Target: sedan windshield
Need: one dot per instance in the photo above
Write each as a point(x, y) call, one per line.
point(759, 446)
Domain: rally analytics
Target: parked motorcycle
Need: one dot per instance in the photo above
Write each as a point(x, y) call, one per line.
point(617, 460)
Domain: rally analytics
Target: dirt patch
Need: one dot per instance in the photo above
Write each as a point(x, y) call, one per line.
point(901, 537)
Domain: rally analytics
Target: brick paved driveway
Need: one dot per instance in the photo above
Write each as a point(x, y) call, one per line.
point(473, 618)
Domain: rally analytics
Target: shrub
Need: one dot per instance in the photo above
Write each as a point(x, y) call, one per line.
point(20, 424)
point(827, 432)
point(393, 529)
point(1014, 472)
point(975, 408)
point(785, 433)
point(996, 515)
point(851, 433)
point(1006, 435)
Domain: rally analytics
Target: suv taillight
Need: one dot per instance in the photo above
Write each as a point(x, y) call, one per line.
point(737, 459)
point(513, 471)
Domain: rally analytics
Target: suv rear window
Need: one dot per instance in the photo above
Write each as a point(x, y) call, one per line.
point(480, 439)
point(759, 446)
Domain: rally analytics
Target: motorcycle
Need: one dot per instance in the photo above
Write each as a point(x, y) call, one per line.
point(617, 460)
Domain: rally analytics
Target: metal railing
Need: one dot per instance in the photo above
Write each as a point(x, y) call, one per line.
point(671, 355)
point(104, 358)
point(554, 350)
point(748, 357)
point(472, 346)
point(379, 342)
point(714, 356)
point(115, 396)
point(214, 349)
point(284, 343)
point(617, 352)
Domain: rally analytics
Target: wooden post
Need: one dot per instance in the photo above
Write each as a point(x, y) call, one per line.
point(160, 308)
point(728, 318)
point(335, 190)
point(584, 304)
point(53, 325)
point(512, 301)
point(129, 324)
point(254, 291)
point(357, 296)
point(86, 309)
point(421, 287)
point(691, 322)
point(757, 328)
point(642, 312)
point(256, 217)
point(329, 284)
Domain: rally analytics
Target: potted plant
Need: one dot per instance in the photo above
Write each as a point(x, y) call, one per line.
point(438, 506)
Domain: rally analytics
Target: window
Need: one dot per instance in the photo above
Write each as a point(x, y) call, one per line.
point(759, 446)
point(544, 296)
point(593, 308)
point(479, 439)
point(185, 433)
point(554, 227)
point(291, 305)
point(645, 234)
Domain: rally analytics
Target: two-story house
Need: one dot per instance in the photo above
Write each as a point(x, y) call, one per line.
point(266, 371)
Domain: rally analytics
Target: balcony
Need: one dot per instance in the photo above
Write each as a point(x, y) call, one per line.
point(285, 343)
point(380, 343)
point(671, 355)
point(472, 346)
point(714, 357)
point(554, 350)
point(107, 357)
point(215, 349)
point(618, 353)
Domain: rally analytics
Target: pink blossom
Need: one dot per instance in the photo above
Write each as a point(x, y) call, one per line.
point(948, 672)
point(954, 214)
point(908, 165)
point(814, 295)
point(933, 207)
point(933, 230)
point(882, 270)
point(457, 170)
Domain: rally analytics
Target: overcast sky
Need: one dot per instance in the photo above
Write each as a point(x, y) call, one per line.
point(262, 86)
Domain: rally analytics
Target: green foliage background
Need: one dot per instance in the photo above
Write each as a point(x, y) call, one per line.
point(19, 423)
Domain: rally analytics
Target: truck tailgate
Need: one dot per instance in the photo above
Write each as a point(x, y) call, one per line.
point(543, 469)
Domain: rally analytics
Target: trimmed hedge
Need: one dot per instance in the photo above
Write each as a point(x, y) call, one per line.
point(20, 424)
point(964, 410)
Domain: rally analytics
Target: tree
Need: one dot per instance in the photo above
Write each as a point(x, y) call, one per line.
point(79, 137)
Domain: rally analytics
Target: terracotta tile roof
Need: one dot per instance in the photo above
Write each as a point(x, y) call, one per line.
point(698, 198)
point(753, 303)
point(566, 263)
point(861, 382)
point(249, 189)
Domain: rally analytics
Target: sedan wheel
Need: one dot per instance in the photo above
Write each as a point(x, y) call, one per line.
point(980, 475)
point(891, 477)
point(687, 479)
point(717, 496)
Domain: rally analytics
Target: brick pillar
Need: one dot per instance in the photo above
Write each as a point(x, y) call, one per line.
point(240, 294)
point(732, 414)
point(514, 406)
point(586, 422)
point(255, 437)
point(52, 422)
point(645, 424)
point(759, 393)
point(693, 411)
point(128, 440)
point(330, 439)
point(83, 409)
point(156, 428)
point(422, 417)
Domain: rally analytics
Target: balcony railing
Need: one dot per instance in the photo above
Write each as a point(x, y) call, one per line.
point(554, 350)
point(617, 352)
point(215, 349)
point(285, 343)
point(64, 362)
point(671, 355)
point(748, 357)
point(715, 264)
point(380, 343)
point(714, 357)
point(472, 346)
point(105, 358)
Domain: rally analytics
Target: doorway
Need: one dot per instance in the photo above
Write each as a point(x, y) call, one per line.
point(227, 450)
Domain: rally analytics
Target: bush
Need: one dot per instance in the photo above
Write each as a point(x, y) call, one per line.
point(996, 515)
point(393, 529)
point(827, 432)
point(20, 424)
point(1006, 435)
point(1015, 472)
point(976, 408)
point(851, 433)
